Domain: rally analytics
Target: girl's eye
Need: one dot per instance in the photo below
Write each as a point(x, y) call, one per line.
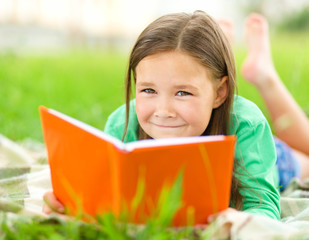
point(149, 90)
point(183, 93)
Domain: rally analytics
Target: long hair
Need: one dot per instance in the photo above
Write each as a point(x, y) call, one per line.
point(199, 36)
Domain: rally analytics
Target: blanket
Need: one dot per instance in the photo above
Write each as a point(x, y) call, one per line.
point(25, 177)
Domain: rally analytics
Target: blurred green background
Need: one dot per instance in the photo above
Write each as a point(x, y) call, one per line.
point(87, 83)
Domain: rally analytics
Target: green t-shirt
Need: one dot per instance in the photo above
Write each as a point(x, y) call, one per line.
point(254, 150)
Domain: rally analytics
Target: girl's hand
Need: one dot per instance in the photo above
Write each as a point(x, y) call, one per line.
point(52, 204)
point(213, 217)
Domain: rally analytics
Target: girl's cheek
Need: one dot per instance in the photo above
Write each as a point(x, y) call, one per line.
point(142, 110)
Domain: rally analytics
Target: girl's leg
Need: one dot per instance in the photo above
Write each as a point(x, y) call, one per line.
point(290, 122)
point(290, 163)
point(304, 163)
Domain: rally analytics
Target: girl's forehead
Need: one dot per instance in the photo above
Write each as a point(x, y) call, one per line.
point(169, 53)
point(170, 57)
point(172, 63)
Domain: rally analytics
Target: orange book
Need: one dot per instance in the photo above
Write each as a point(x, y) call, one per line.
point(99, 173)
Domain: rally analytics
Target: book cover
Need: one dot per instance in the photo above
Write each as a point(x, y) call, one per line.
point(96, 173)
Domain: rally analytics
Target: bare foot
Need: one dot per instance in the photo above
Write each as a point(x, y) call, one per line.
point(258, 67)
point(227, 27)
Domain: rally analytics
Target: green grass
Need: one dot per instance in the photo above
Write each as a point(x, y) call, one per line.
point(88, 85)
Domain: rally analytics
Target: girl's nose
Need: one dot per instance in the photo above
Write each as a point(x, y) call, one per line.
point(164, 109)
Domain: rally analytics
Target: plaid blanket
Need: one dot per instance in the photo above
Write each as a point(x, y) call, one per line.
point(25, 177)
point(294, 222)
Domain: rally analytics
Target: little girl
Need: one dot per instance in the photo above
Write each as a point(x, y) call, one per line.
point(183, 70)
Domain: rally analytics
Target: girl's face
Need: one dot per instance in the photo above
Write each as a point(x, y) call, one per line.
point(174, 95)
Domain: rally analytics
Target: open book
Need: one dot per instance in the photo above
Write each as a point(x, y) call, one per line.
point(99, 173)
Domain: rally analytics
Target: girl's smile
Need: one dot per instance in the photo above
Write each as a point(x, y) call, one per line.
point(174, 95)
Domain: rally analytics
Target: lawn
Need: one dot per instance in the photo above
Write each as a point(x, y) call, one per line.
point(84, 84)
point(88, 84)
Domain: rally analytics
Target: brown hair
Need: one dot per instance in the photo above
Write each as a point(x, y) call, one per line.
point(199, 36)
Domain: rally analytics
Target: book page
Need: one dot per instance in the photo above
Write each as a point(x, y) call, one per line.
point(89, 128)
point(137, 144)
point(171, 141)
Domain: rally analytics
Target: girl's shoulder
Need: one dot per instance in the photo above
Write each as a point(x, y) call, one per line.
point(116, 123)
point(246, 112)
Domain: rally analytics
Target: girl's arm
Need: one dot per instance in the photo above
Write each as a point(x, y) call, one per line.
point(259, 176)
point(255, 151)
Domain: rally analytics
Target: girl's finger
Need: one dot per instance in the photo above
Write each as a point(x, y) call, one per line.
point(52, 203)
